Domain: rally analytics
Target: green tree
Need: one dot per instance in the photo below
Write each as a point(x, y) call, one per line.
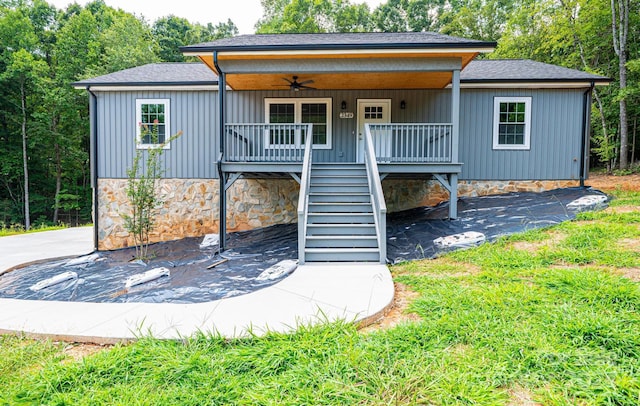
point(142, 191)
point(313, 16)
point(127, 43)
point(172, 32)
point(26, 73)
point(408, 15)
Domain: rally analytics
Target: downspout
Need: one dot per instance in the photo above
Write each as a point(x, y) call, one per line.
point(93, 161)
point(586, 118)
point(222, 87)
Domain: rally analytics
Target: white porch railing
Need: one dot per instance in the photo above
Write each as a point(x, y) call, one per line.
point(266, 142)
point(408, 143)
point(377, 197)
point(303, 198)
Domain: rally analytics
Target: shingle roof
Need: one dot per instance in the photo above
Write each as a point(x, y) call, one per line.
point(156, 74)
point(487, 70)
point(522, 70)
point(363, 40)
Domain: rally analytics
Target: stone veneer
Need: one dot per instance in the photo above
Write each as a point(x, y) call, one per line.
point(408, 194)
point(190, 206)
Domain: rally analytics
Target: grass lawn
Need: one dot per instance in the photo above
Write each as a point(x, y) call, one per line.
point(15, 230)
point(544, 317)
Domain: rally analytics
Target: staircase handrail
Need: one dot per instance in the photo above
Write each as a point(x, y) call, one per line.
point(377, 196)
point(303, 198)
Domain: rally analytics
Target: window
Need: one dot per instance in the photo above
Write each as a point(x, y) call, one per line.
point(299, 111)
point(152, 122)
point(511, 122)
point(373, 113)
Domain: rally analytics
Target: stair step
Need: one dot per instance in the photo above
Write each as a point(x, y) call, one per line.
point(339, 207)
point(327, 197)
point(341, 229)
point(337, 166)
point(341, 254)
point(338, 179)
point(339, 172)
point(340, 218)
point(342, 241)
point(340, 188)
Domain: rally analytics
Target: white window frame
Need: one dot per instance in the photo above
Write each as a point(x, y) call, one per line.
point(167, 122)
point(527, 122)
point(297, 111)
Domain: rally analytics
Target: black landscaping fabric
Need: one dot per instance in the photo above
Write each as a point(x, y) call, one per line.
point(410, 236)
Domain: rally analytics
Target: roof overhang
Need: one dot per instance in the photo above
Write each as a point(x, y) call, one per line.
point(332, 69)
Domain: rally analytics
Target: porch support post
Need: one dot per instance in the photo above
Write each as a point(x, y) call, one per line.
point(222, 200)
point(453, 196)
point(455, 140)
point(455, 115)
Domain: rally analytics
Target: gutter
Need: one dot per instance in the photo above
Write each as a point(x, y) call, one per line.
point(80, 85)
point(591, 81)
point(222, 195)
point(586, 118)
point(93, 160)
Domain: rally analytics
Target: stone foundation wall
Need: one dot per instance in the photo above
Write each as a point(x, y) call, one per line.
point(407, 194)
point(190, 208)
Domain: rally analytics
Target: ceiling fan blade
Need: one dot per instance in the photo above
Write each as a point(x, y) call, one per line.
point(288, 81)
point(306, 87)
point(306, 82)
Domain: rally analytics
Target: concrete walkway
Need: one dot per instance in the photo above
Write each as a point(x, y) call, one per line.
point(17, 250)
point(312, 294)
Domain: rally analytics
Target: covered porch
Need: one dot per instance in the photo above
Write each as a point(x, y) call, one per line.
point(296, 70)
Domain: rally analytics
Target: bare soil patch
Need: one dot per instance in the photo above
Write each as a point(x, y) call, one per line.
point(632, 244)
point(610, 182)
point(398, 312)
point(622, 209)
point(79, 351)
point(534, 246)
point(632, 274)
point(520, 396)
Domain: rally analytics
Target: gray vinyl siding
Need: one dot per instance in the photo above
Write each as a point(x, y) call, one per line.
point(556, 131)
point(190, 156)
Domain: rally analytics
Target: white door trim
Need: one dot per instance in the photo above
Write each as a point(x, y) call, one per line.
point(386, 103)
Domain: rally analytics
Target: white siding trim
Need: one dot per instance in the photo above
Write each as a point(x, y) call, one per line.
point(527, 122)
point(167, 122)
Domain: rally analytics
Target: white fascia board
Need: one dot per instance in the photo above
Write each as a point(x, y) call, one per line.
point(425, 51)
point(528, 85)
point(149, 88)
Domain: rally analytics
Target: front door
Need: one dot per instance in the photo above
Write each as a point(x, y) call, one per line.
point(370, 111)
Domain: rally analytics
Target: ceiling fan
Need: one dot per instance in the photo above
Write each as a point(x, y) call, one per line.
point(296, 86)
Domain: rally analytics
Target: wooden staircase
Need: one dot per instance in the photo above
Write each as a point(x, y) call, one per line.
point(340, 225)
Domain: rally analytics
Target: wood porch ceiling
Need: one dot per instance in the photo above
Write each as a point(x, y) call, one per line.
point(339, 80)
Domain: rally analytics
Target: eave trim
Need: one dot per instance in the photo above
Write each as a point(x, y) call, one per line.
point(134, 88)
point(356, 51)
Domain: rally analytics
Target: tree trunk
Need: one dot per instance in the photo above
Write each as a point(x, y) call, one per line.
point(620, 30)
point(596, 96)
point(23, 100)
point(633, 141)
point(56, 208)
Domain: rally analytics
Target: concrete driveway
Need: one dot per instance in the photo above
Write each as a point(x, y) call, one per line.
point(26, 248)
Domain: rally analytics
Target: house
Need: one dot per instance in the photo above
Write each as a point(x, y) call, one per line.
point(332, 131)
